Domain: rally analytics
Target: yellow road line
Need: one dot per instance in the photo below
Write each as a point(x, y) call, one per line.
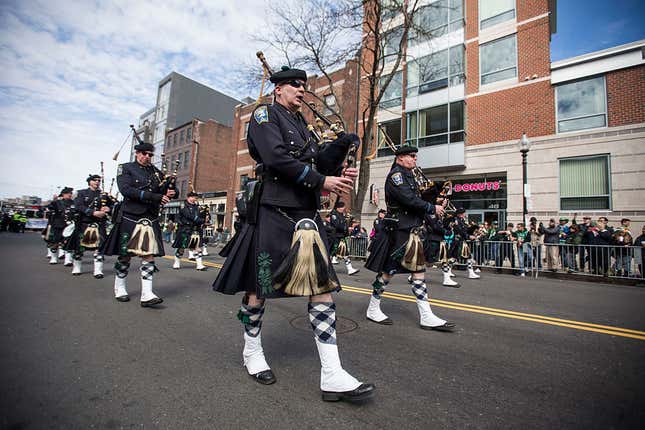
point(578, 325)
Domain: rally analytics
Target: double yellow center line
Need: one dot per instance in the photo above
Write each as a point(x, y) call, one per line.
point(578, 325)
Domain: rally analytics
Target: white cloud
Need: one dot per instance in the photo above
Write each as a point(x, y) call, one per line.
point(74, 74)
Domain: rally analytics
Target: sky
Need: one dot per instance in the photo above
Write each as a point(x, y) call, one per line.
point(75, 74)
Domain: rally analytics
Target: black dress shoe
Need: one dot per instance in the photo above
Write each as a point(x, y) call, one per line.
point(151, 302)
point(68, 265)
point(203, 269)
point(76, 274)
point(266, 377)
point(99, 276)
point(386, 321)
point(452, 286)
point(125, 298)
point(363, 392)
point(448, 326)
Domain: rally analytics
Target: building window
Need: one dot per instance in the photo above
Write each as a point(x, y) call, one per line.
point(243, 181)
point(181, 137)
point(582, 104)
point(189, 133)
point(435, 20)
point(498, 59)
point(174, 139)
point(246, 130)
point(584, 183)
point(493, 12)
point(169, 141)
point(179, 159)
point(186, 159)
point(436, 125)
point(392, 41)
point(392, 94)
point(390, 8)
point(436, 71)
point(388, 130)
point(330, 100)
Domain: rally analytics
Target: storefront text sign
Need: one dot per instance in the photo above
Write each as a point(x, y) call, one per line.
point(477, 186)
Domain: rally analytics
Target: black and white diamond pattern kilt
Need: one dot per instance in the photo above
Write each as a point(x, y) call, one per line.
point(420, 290)
point(251, 317)
point(121, 268)
point(322, 317)
point(147, 270)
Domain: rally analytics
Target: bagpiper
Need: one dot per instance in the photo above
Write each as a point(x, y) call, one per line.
point(92, 208)
point(400, 248)
point(455, 248)
point(280, 251)
point(189, 232)
point(341, 231)
point(60, 216)
point(136, 230)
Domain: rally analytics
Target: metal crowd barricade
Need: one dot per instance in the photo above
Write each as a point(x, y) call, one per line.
point(612, 261)
point(357, 247)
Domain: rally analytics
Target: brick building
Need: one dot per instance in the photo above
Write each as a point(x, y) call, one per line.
point(202, 152)
point(466, 94)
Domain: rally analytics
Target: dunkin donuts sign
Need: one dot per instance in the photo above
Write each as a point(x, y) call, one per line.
point(476, 186)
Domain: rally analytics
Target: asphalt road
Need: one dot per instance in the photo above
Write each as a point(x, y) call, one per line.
point(73, 358)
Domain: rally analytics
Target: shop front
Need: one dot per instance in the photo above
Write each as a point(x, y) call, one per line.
point(483, 198)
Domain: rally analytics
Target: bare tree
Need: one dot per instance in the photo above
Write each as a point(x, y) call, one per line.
point(321, 36)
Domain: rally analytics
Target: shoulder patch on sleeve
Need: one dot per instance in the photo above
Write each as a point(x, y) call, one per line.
point(333, 217)
point(397, 178)
point(119, 170)
point(261, 115)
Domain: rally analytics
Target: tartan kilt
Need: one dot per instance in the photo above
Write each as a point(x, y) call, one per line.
point(387, 252)
point(259, 250)
point(117, 240)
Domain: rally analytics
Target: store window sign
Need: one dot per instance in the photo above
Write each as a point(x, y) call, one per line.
point(477, 186)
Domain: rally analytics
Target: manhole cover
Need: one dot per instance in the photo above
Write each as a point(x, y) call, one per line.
point(343, 325)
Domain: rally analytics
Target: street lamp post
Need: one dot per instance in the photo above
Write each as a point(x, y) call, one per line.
point(524, 145)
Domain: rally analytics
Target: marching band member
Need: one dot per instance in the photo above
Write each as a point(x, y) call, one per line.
point(92, 209)
point(60, 215)
point(341, 231)
point(281, 251)
point(400, 249)
point(189, 231)
point(136, 230)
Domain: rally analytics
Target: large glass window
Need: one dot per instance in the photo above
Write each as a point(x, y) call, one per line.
point(582, 105)
point(584, 183)
point(493, 12)
point(392, 41)
point(436, 125)
point(436, 71)
point(498, 59)
point(189, 133)
point(392, 94)
point(181, 137)
point(436, 19)
point(390, 8)
point(388, 130)
point(174, 139)
point(330, 100)
point(186, 159)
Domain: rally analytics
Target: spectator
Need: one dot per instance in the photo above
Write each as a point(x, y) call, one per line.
point(563, 249)
point(623, 240)
point(573, 241)
point(506, 245)
point(534, 244)
point(522, 246)
point(551, 240)
point(598, 237)
point(639, 243)
point(362, 234)
point(583, 256)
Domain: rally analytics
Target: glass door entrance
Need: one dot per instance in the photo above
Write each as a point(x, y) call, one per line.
point(480, 216)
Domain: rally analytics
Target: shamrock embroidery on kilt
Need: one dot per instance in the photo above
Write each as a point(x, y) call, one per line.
point(264, 273)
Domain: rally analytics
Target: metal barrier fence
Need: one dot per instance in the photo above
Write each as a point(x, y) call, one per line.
point(593, 260)
point(357, 246)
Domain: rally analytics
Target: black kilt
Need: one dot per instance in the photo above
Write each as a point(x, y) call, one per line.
point(54, 237)
point(226, 249)
point(387, 252)
point(182, 238)
point(431, 250)
point(259, 249)
point(121, 232)
point(74, 241)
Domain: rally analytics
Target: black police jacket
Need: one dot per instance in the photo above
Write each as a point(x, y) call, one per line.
point(141, 189)
point(403, 198)
point(61, 211)
point(190, 218)
point(339, 223)
point(294, 165)
point(86, 202)
point(435, 228)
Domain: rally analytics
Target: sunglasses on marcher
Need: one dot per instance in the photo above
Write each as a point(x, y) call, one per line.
point(149, 154)
point(295, 83)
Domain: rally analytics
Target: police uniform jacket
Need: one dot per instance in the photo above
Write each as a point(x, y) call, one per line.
point(141, 189)
point(339, 223)
point(293, 164)
point(86, 203)
point(61, 211)
point(190, 218)
point(461, 229)
point(403, 198)
point(435, 230)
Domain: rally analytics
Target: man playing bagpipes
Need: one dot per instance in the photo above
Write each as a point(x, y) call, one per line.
point(92, 209)
point(280, 251)
point(136, 230)
point(189, 231)
point(60, 216)
point(455, 247)
point(339, 245)
point(400, 248)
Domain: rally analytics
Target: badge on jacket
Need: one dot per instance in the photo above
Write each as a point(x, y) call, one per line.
point(397, 178)
point(119, 170)
point(261, 115)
